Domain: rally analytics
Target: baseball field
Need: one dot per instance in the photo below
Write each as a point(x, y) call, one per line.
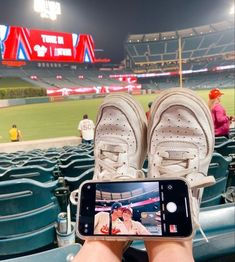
point(38, 121)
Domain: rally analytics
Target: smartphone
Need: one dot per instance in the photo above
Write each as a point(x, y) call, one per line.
point(140, 209)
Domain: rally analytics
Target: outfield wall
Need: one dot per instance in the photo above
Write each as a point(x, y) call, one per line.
point(39, 144)
point(37, 100)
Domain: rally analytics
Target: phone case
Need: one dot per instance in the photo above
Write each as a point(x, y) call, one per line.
point(137, 237)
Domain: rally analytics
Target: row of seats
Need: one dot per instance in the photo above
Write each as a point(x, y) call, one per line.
point(31, 207)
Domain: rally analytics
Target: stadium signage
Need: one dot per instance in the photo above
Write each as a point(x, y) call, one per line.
point(23, 44)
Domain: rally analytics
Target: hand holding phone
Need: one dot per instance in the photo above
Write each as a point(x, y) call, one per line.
point(140, 209)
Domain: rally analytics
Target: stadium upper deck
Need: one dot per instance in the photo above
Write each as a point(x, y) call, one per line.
point(205, 46)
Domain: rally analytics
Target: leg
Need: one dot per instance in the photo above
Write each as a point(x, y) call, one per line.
point(165, 251)
point(102, 251)
point(120, 150)
point(181, 142)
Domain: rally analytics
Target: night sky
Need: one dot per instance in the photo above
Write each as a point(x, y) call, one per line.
point(110, 21)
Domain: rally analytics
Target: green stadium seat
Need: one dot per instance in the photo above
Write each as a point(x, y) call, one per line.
point(52, 155)
point(74, 182)
point(220, 139)
point(76, 167)
point(3, 170)
point(231, 133)
point(60, 254)
point(74, 156)
point(28, 214)
point(6, 163)
point(36, 173)
point(5, 157)
point(227, 148)
point(20, 159)
point(218, 168)
point(46, 163)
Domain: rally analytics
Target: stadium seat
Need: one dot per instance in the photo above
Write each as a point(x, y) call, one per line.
point(60, 254)
point(219, 169)
point(36, 173)
point(227, 148)
point(220, 139)
point(76, 167)
point(46, 163)
point(74, 182)
point(3, 170)
point(232, 133)
point(217, 223)
point(20, 159)
point(6, 163)
point(28, 214)
point(74, 156)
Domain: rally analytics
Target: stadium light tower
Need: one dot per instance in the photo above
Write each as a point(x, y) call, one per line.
point(47, 9)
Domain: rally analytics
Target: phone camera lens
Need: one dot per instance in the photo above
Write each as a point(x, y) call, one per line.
point(86, 225)
point(87, 208)
point(85, 230)
point(169, 187)
point(89, 187)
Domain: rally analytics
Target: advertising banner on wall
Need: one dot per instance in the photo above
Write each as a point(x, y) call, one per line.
point(92, 90)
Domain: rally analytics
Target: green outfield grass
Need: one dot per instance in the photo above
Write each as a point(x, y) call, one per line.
point(59, 119)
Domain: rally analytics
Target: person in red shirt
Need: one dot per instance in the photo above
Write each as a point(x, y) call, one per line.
point(219, 116)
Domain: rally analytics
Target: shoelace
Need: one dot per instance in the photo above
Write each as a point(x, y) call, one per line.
point(113, 164)
point(165, 168)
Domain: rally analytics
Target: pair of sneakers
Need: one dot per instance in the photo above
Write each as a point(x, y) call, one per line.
point(178, 139)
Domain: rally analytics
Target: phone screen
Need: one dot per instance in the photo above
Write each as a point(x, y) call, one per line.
point(145, 208)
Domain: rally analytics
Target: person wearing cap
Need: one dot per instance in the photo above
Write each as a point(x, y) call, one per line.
point(109, 223)
point(133, 227)
point(219, 116)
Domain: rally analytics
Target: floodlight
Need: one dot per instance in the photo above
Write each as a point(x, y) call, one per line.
point(38, 5)
point(231, 12)
point(47, 9)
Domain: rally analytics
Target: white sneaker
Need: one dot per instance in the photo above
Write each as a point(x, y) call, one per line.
point(120, 138)
point(181, 140)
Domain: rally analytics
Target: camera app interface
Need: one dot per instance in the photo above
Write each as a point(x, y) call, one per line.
point(127, 209)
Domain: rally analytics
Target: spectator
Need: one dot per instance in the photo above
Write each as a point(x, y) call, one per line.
point(133, 227)
point(148, 112)
point(15, 134)
point(219, 116)
point(173, 154)
point(86, 128)
point(110, 223)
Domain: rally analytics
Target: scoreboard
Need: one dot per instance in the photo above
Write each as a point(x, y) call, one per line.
point(23, 44)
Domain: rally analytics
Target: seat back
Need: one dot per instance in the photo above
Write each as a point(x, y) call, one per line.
point(28, 213)
point(220, 139)
point(33, 172)
point(226, 148)
point(219, 169)
point(46, 163)
point(76, 167)
point(74, 156)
